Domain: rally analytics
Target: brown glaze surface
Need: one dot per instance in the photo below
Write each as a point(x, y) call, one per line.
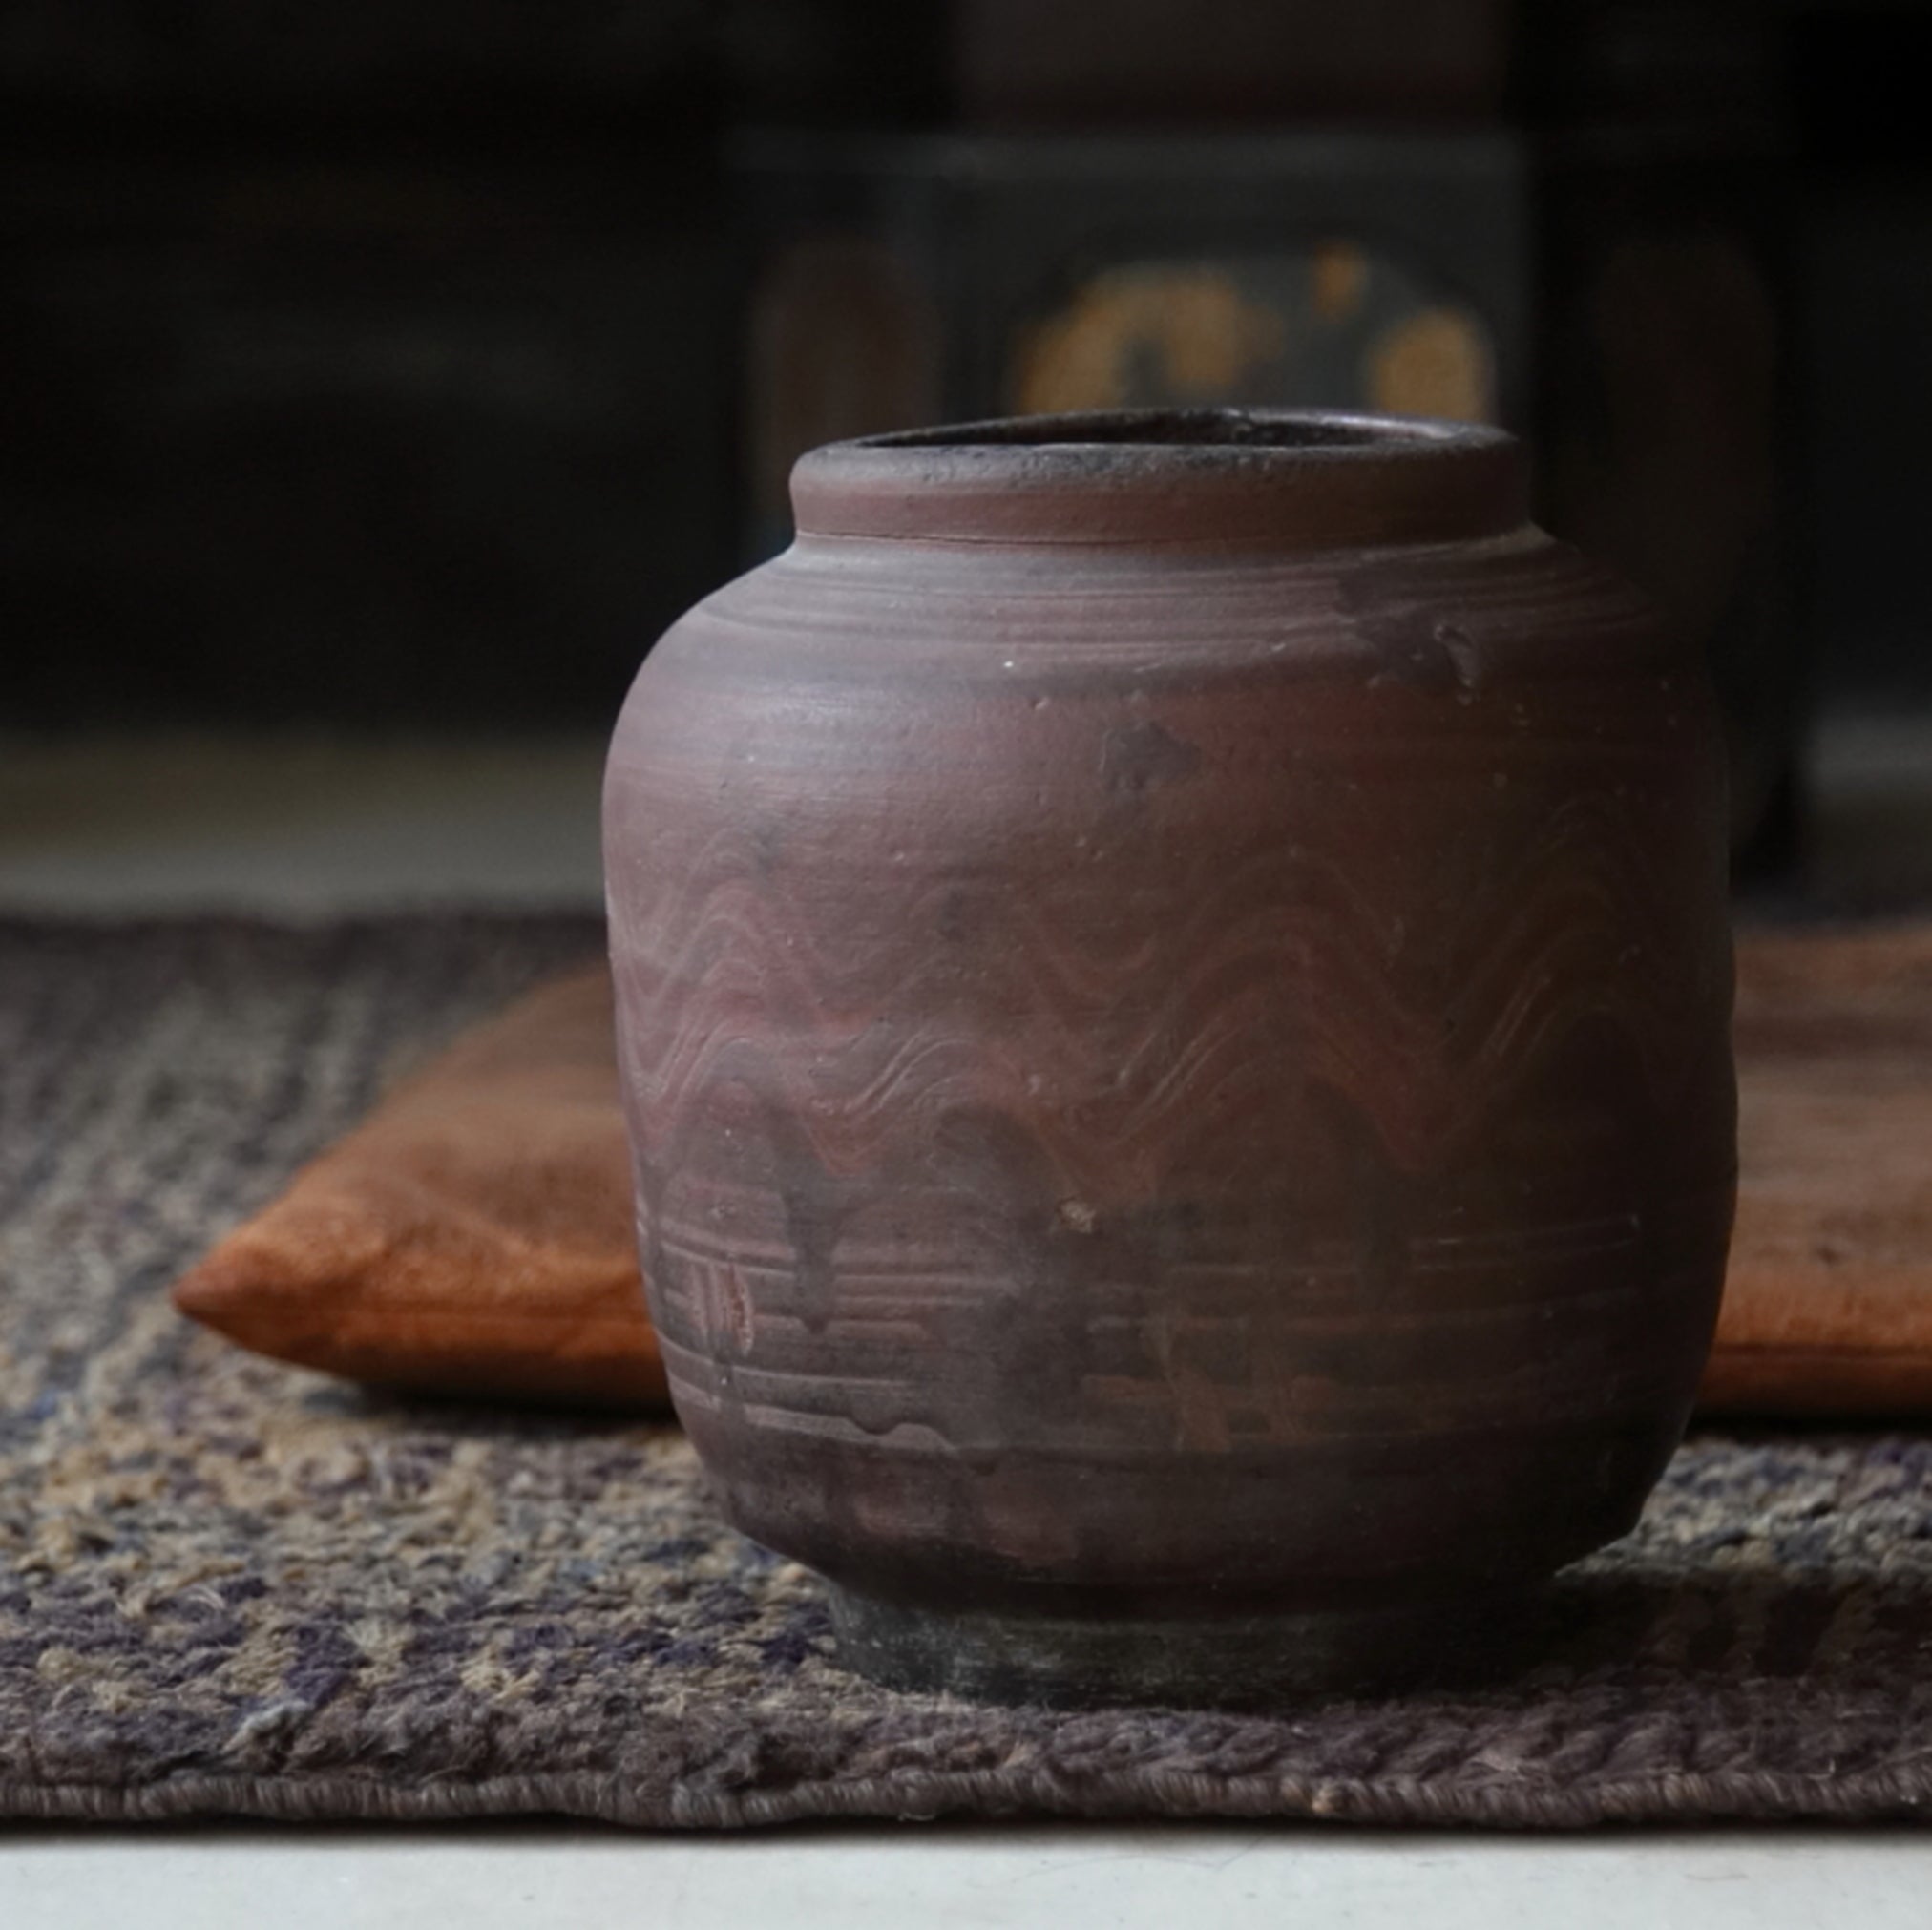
point(1174, 989)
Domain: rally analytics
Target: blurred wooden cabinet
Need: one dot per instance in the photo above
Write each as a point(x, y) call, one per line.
point(1667, 410)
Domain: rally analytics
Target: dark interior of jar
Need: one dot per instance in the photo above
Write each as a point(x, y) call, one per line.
point(1169, 428)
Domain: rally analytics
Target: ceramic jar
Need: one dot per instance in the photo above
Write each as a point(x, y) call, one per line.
point(1174, 986)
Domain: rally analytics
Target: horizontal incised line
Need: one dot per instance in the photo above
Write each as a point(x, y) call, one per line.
point(1332, 1425)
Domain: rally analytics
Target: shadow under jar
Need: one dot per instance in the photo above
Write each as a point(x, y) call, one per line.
point(1173, 990)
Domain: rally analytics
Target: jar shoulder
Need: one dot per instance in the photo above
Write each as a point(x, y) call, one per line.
point(1472, 614)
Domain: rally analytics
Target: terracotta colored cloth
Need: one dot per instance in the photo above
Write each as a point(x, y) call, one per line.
point(473, 1237)
point(1828, 1304)
point(476, 1235)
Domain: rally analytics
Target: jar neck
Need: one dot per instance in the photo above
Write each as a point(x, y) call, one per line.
point(1285, 479)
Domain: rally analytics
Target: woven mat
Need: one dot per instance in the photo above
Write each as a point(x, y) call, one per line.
point(227, 1586)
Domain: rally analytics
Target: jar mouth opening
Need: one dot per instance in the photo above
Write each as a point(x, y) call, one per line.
point(1172, 430)
point(1289, 478)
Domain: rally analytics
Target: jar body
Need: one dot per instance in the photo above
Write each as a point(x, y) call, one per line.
point(1172, 1084)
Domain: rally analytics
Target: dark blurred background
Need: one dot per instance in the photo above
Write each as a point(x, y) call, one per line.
point(410, 366)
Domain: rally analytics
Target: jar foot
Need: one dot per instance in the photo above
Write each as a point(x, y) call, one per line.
point(1226, 1662)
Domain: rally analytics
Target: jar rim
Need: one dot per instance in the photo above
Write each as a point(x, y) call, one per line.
point(1296, 478)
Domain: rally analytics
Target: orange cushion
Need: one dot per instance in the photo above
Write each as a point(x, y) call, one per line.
point(473, 1237)
point(1828, 1304)
point(476, 1235)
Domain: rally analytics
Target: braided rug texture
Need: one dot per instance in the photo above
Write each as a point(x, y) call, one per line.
point(231, 1587)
